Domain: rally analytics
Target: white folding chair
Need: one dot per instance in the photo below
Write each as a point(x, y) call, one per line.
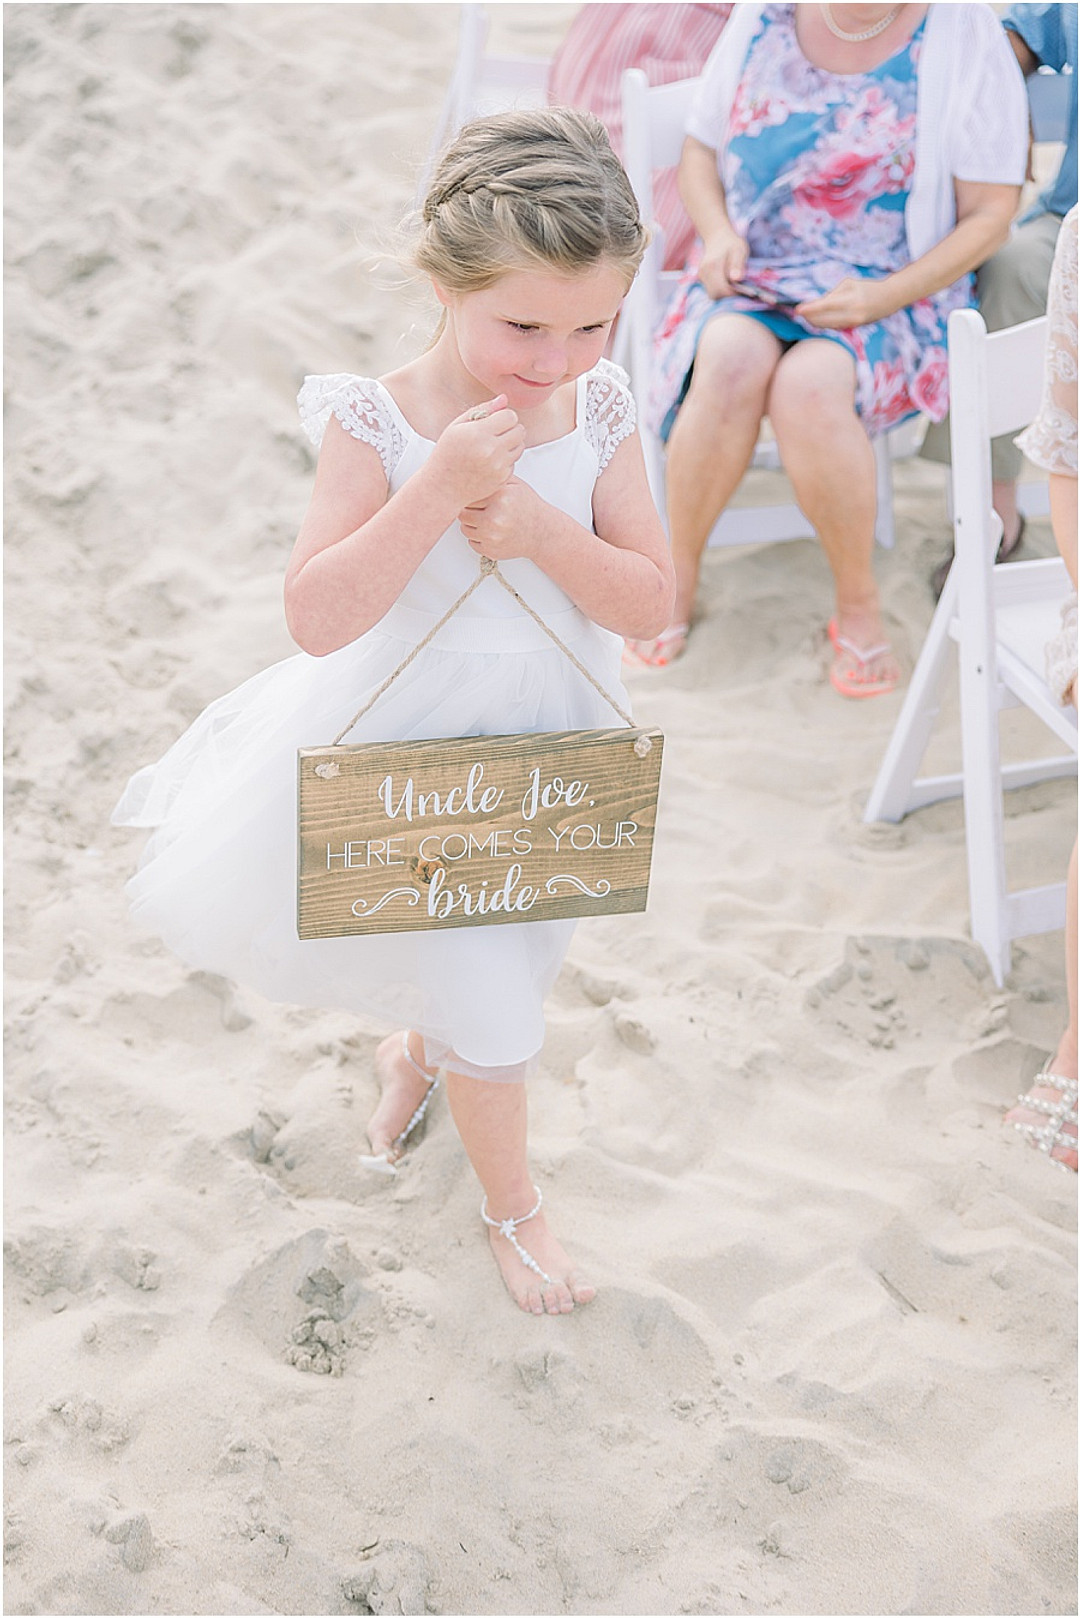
point(1048, 102)
point(654, 122)
point(1000, 618)
point(483, 82)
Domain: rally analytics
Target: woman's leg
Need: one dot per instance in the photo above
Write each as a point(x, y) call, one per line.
point(491, 1120)
point(829, 459)
point(711, 444)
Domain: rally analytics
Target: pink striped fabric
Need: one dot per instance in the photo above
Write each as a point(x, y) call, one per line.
point(667, 43)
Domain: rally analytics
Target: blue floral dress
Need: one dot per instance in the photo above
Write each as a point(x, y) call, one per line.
point(816, 170)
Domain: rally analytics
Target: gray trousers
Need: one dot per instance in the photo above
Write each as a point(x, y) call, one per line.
point(1011, 287)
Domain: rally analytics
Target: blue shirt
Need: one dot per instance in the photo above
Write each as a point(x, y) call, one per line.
point(1049, 32)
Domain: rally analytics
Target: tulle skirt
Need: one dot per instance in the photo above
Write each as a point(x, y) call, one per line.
point(217, 879)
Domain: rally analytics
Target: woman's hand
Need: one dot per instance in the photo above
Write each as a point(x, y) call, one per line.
point(507, 524)
point(477, 452)
point(723, 262)
point(852, 302)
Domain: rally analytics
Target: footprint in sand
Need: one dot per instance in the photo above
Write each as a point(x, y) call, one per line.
point(240, 1454)
point(128, 1336)
point(74, 1419)
point(636, 1035)
point(579, 983)
point(136, 1266)
point(42, 1262)
point(304, 1302)
point(234, 1017)
point(15, 1536)
point(264, 1132)
point(639, 1344)
point(755, 1475)
point(136, 1542)
point(311, 1140)
point(966, 1273)
point(75, 960)
point(262, 1521)
point(883, 995)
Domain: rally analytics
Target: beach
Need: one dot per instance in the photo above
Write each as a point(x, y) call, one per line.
point(831, 1364)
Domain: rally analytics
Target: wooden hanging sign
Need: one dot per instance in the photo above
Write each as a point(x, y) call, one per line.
point(475, 831)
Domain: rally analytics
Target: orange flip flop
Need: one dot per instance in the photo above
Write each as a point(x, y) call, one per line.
point(657, 660)
point(856, 658)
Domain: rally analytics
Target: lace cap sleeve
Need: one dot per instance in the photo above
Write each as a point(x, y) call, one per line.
point(361, 406)
point(1050, 441)
point(610, 412)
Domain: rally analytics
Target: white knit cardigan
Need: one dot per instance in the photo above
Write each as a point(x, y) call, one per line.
point(971, 109)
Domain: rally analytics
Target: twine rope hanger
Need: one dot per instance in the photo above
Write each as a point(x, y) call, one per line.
point(489, 569)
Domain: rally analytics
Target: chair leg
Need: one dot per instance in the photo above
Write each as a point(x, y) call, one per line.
point(890, 797)
point(984, 815)
point(885, 525)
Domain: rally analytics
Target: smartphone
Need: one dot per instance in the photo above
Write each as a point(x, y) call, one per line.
point(762, 295)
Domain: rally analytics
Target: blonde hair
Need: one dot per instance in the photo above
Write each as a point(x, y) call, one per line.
point(528, 189)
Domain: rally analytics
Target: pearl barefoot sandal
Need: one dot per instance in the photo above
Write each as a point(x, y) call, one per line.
point(508, 1227)
point(381, 1162)
point(1053, 1135)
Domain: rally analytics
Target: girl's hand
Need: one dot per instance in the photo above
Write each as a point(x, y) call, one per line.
point(853, 302)
point(723, 261)
point(507, 524)
point(478, 451)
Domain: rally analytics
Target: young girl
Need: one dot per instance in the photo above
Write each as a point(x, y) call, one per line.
point(509, 438)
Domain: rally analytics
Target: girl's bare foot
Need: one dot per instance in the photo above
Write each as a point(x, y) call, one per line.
point(553, 1287)
point(404, 1089)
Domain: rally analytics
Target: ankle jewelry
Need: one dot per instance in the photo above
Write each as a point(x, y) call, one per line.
point(508, 1227)
point(432, 1084)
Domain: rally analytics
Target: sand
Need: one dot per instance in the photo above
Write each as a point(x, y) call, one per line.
point(830, 1367)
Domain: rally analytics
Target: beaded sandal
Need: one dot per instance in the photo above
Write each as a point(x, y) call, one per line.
point(1051, 1135)
point(381, 1161)
point(508, 1227)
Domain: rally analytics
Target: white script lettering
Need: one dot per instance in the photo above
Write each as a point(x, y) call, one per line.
point(555, 792)
point(444, 900)
point(469, 798)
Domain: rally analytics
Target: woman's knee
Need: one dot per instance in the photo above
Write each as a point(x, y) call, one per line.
point(813, 392)
point(734, 366)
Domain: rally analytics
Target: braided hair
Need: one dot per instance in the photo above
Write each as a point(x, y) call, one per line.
point(525, 189)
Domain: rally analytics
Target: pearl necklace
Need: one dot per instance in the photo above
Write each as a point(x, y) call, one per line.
point(867, 33)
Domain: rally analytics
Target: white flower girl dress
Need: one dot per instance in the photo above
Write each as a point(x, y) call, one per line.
point(217, 880)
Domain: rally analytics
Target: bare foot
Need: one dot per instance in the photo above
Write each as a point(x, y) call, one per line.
point(403, 1091)
point(530, 1291)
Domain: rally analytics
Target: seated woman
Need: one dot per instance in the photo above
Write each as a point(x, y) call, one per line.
point(846, 168)
point(667, 42)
